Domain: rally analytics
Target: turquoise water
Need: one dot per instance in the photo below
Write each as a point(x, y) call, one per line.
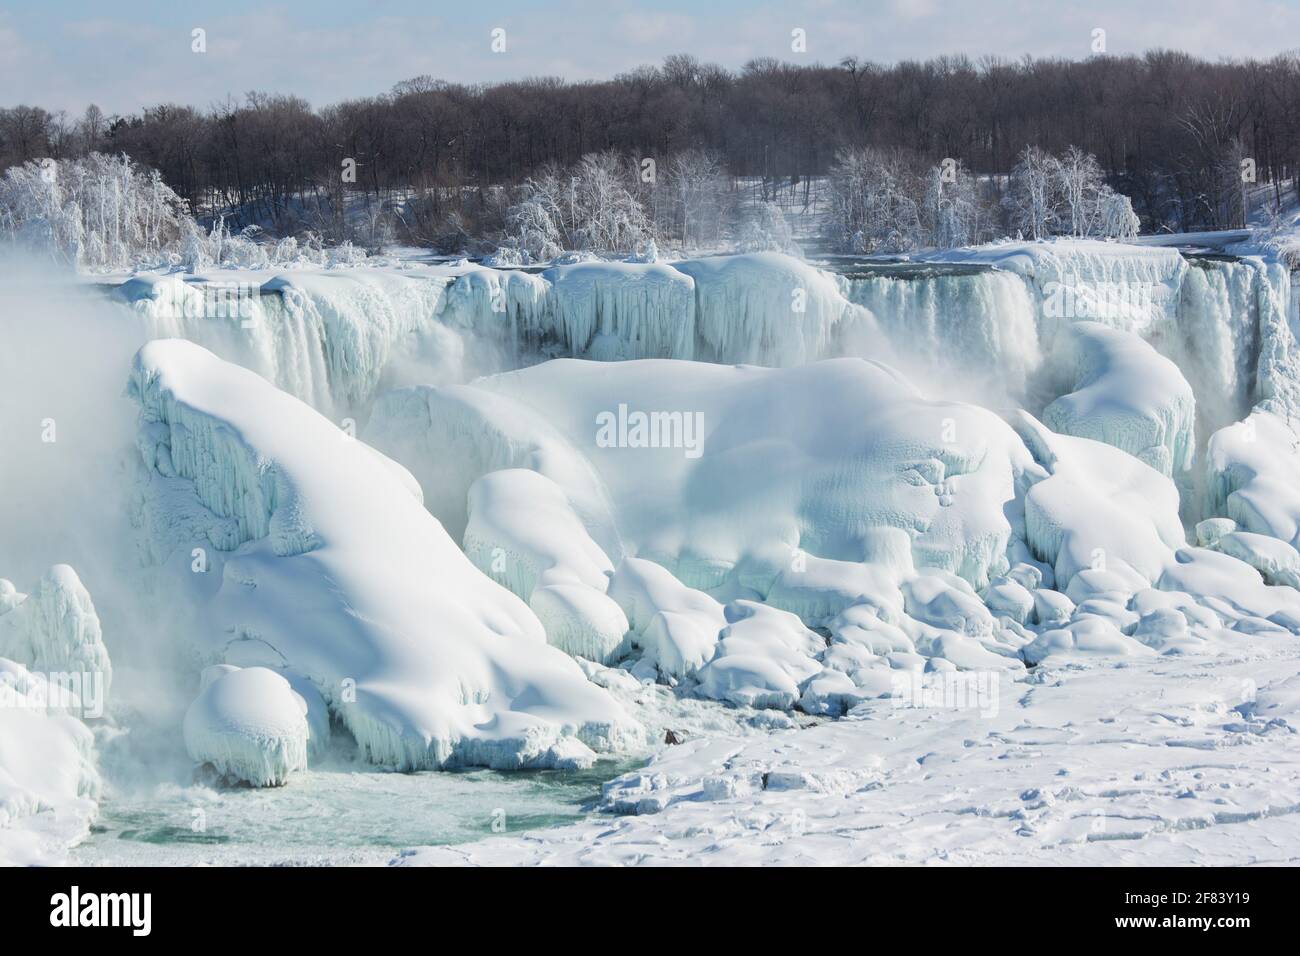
point(335, 815)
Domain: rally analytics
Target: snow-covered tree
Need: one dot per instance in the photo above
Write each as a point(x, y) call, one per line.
point(1068, 195)
point(1079, 181)
point(950, 214)
point(536, 223)
point(97, 212)
point(872, 202)
point(695, 183)
point(588, 207)
point(764, 228)
point(1032, 198)
point(1115, 218)
point(608, 217)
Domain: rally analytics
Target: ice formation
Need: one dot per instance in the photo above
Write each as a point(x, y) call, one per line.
point(979, 322)
point(775, 523)
point(321, 558)
point(55, 630)
point(842, 460)
point(54, 673)
point(249, 725)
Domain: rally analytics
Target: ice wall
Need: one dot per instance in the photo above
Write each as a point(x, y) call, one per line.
point(989, 325)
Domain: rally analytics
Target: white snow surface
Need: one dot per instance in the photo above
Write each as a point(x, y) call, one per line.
point(1134, 761)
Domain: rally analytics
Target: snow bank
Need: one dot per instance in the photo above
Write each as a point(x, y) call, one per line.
point(323, 559)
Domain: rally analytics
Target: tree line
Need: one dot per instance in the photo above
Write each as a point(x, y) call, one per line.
point(441, 160)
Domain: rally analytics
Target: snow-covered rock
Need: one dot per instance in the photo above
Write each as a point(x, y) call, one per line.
point(762, 657)
point(1100, 509)
point(1253, 476)
point(249, 725)
point(676, 626)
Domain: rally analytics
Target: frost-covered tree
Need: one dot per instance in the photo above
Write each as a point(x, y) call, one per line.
point(950, 214)
point(1032, 198)
point(97, 212)
point(1066, 195)
point(1115, 218)
point(873, 208)
point(1079, 182)
point(764, 228)
point(608, 218)
point(696, 184)
point(588, 207)
point(536, 224)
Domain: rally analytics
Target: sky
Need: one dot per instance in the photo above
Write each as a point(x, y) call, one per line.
point(129, 54)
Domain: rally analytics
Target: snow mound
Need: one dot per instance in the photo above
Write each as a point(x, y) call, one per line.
point(1100, 508)
point(249, 725)
point(677, 626)
point(763, 656)
point(323, 560)
point(1253, 476)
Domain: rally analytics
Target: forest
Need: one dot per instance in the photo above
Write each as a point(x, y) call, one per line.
point(447, 165)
